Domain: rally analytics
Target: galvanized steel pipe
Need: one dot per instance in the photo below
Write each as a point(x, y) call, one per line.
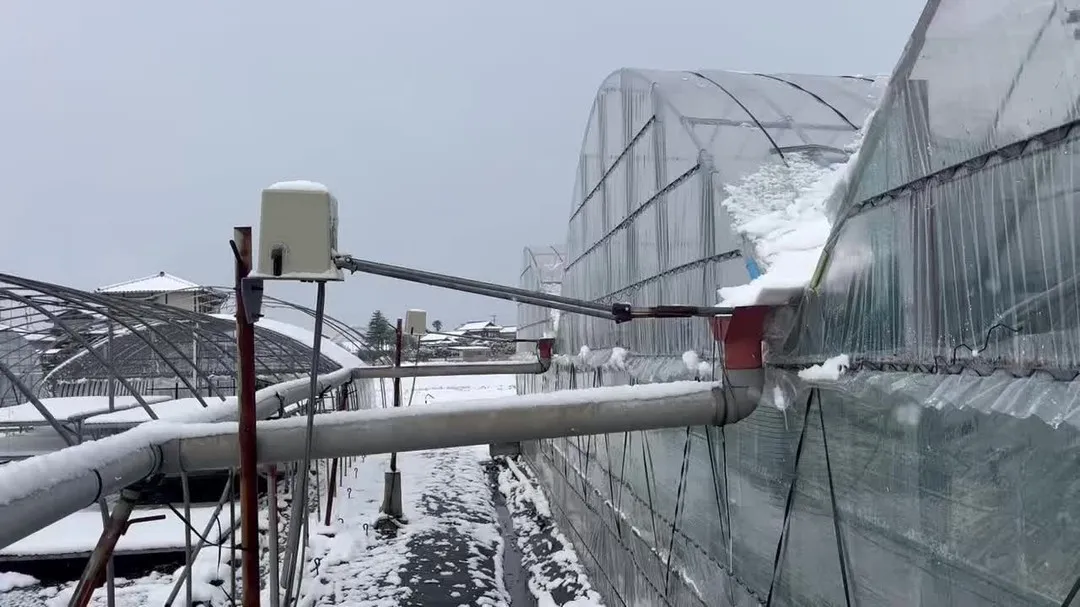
point(498, 420)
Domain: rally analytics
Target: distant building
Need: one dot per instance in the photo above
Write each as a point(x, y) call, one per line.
point(485, 329)
point(164, 288)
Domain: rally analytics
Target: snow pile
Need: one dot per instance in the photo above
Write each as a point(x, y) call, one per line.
point(830, 370)
point(781, 210)
point(299, 185)
point(10, 581)
point(556, 577)
point(617, 359)
point(697, 366)
point(78, 533)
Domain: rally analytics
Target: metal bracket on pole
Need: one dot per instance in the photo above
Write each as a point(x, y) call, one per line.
point(251, 291)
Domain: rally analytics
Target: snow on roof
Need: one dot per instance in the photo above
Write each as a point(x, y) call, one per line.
point(470, 348)
point(435, 337)
point(300, 185)
point(78, 533)
point(64, 409)
point(162, 282)
point(508, 330)
point(478, 325)
point(328, 348)
point(781, 210)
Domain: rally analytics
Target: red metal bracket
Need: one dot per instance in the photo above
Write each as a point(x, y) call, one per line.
point(741, 332)
point(545, 346)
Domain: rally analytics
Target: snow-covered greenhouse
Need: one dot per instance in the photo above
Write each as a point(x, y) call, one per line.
point(105, 362)
point(935, 249)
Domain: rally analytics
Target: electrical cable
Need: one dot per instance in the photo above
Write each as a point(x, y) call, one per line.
point(938, 360)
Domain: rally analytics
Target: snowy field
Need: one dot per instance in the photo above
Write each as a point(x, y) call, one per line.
point(478, 532)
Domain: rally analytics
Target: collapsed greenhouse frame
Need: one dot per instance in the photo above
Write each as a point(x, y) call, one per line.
point(941, 469)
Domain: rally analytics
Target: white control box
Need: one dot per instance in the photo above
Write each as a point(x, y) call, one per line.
point(415, 323)
point(298, 233)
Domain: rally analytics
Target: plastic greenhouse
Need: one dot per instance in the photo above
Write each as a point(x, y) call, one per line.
point(941, 469)
point(59, 342)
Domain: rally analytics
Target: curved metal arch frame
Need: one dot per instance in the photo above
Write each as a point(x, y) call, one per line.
point(82, 340)
point(198, 323)
point(203, 330)
point(48, 302)
point(333, 323)
point(56, 290)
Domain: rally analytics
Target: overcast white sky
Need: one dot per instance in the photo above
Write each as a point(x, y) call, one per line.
point(134, 135)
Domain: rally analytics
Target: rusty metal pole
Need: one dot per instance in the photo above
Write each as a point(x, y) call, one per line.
point(331, 483)
point(397, 385)
point(392, 506)
point(275, 558)
point(102, 554)
point(249, 472)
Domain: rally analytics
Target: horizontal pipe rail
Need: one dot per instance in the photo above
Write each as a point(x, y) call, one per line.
point(407, 371)
point(38, 492)
point(498, 420)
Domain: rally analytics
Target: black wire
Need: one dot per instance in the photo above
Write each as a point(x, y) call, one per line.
point(611, 479)
point(1072, 594)
point(835, 511)
point(788, 506)
point(721, 510)
point(189, 526)
point(938, 360)
point(726, 382)
point(588, 459)
point(716, 484)
point(646, 455)
point(678, 505)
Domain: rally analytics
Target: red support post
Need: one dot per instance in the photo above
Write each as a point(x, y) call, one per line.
point(249, 473)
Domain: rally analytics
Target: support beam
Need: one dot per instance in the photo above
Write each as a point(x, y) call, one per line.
point(529, 368)
point(499, 420)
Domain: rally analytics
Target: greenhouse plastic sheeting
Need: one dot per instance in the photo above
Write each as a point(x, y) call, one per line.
point(960, 242)
point(943, 496)
point(976, 77)
point(941, 469)
point(647, 224)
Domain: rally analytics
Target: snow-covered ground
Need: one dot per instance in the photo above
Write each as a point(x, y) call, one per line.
point(450, 551)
